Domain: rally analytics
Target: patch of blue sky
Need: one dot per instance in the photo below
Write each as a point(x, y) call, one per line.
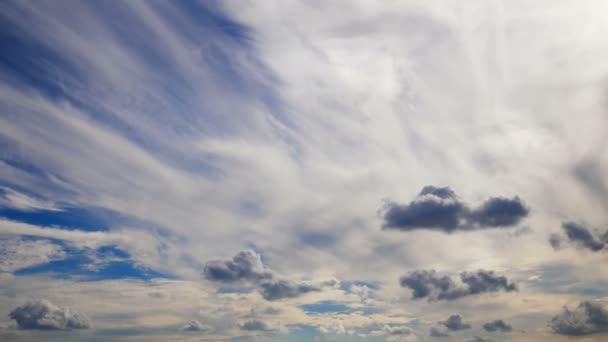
point(106, 262)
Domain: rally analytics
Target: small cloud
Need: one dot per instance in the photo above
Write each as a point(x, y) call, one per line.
point(194, 325)
point(335, 327)
point(254, 325)
point(397, 330)
point(427, 284)
point(555, 241)
point(588, 318)
point(455, 323)
point(438, 208)
point(44, 315)
point(281, 288)
point(581, 235)
point(438, 332)
point(480, 339)
point(10, 198)
point(497, 325)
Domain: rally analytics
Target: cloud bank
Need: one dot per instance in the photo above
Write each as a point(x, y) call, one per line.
point(586, 319)
point(44, 315)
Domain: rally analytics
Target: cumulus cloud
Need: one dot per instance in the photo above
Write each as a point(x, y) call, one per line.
point(44, 315)
point(438, 332)
point(247, 267)
point(254, 325)
point(427, 284)
point(194, 325)
point(397, 330)
point(335, 327)
point(454, 323)
point(584, 237)
point(588, 318)
point(497, 325)
point(438, 208)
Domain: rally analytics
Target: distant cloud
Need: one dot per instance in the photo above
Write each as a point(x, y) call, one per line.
point(427, 284)
point(584, 237)
point(497, 325)
point(438, 208)
point(44, 315)
point(480, 339)
point(18, 253)
point(254, 325)
point(588, 318)
point(247, 267)
point(555, 241)
point(194, 325)
point(438, 332)
point(397, 330)
point(455, 323)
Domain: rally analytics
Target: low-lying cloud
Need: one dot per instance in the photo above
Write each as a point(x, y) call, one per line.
point(246, 267)
point(438, 208)
point(427, 284)
point(497, 325)
point(454, 323)
point(44, 315)
point(586, 319)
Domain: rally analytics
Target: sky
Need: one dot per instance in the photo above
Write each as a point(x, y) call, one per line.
point(412, 170)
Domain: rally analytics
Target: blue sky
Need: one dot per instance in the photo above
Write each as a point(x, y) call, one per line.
point(303, 170)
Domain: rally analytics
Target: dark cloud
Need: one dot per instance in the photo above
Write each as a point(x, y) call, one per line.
point(588, 318)
point(194, 325)
point(454, 323)
point(500, 212)
point(397, 330)
point(555, 241)
point(254, 325)
point(480, 339)
point(427, 284)
point(582, 236)
point(438, 332)
point(438, 208)
point(44, 315)
point(498, 325)
point(281, 288)
point(247, 267)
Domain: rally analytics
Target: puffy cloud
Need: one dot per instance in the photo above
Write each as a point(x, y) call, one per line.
point(194, 325)
point(455, 323)
point(397, 330)
point(583, 236)
point(438, 208)
point(335, 327)
point(254, 325)
point(588, 318)
point(427, 284)
point(247, 267)
point(497, 325)
point(44, 315)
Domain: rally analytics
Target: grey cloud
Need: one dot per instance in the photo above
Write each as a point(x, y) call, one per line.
point(254, 325)
point(281, 288)
point(427, 284)
point(582, 236)
point(397, 330)
point(454, 323)
point(588, 318)
point(497, 325)
point(44, 315)
point(555, 241)
point(194, 325)
point(438, 332)
point(247, 267)
point(438, 208)
point(480, 339)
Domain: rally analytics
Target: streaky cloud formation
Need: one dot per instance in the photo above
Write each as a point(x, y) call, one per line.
point(497, 325)
point(44, 315)
point(247, 267)
point(589, 317)
point(427, 284)
point(438, 208)
point(582, 236)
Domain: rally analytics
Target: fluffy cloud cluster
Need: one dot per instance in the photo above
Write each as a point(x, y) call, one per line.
point(440, 209)
point(44, 315)
point(497, 325)
point(427, 284)
point(588, 318)
point(246, 267)
point(453, 323)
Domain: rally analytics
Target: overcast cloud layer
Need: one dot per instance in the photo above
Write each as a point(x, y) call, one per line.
point(412, 170)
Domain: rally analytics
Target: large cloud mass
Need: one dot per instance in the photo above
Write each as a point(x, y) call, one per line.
point(44, 315)
point(427, 284)
point(588, 318)
point(437, 208)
